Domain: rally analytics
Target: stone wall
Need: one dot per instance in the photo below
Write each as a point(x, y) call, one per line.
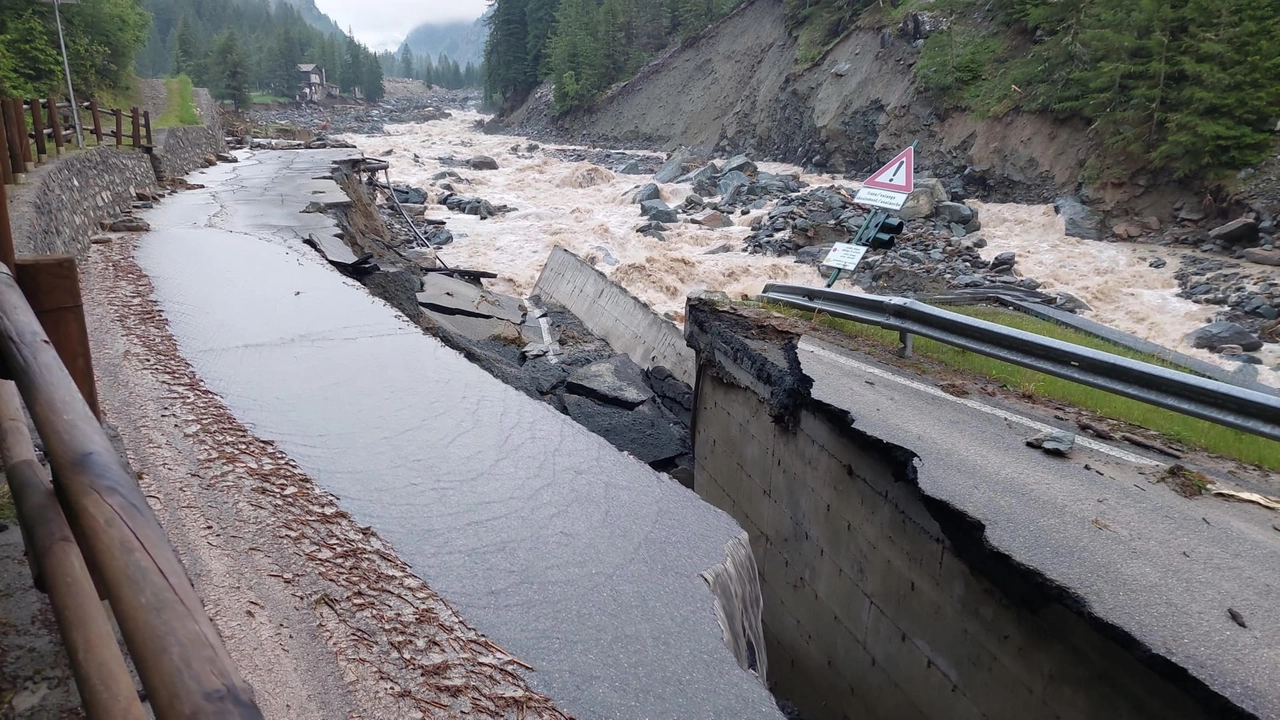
point(179, 150)
point(62, 203)
point(869, 610)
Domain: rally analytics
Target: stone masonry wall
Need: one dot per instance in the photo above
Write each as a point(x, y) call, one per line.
point(179, 150)
point(62, 203)
point(868, 610)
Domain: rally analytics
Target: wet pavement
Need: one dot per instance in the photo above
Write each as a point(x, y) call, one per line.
point(574, 557)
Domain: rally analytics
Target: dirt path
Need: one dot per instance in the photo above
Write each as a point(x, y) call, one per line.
point(324, 620)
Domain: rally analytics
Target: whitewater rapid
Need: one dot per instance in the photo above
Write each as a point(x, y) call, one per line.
point(587, 209)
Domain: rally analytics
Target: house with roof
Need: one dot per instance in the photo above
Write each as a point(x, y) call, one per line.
point(313, 85)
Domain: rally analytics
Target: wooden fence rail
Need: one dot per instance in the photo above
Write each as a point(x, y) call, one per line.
point(37, 121)
point(88, 529)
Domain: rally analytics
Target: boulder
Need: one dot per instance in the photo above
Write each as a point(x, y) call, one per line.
point(1081, 222)
point(226, 158)
point(673, 168)
point(719, 249)
point(705, 174)
point(482, 162)
point(954, 212)
point(647, 192)
point(924, 200)
point(1004, 262)
point(1262, 257)
point(616, 381)
point(631, 167)
point(406, 195)
point(129, 224)
point(658, 211)
point(711, 219)
point(1217, 334)
point(813, 254)
point(740, 163)
point(730, 181)
point(1237, 231)
point(1053, 442)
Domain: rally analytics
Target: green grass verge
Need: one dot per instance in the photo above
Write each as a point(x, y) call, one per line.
point(265, 99)
point(182, 105)
point(1181, 428)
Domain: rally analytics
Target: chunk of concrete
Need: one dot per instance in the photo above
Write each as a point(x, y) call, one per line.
point(617, 381)
point(450, 296)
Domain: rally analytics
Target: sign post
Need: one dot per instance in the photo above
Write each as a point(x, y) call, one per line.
point(887, 188)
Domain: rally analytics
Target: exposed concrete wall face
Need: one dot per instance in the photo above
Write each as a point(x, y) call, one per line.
point(179, 150)
point(608, 310)
point(62, 203)
point(868, 610)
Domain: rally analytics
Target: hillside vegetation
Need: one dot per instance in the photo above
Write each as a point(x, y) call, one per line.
point(232, 46)
point(583, 46)
point(1191, 87)
point(102, 38)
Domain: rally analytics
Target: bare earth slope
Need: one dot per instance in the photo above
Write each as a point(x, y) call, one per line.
point(736, 87)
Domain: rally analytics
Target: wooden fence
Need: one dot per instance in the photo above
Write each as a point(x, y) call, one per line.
point(32, 131)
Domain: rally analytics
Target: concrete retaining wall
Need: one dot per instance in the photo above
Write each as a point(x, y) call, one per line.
point(869, 612)
point(62, 203)
point(614, 314)
point(179, 150)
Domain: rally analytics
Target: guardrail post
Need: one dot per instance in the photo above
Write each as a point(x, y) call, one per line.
point(905, 338)
point(146, 123)
point(51, 285)
point(119, 126)
point(55, 124)
point(37, 128)
point(58, 568)
point(97, 121)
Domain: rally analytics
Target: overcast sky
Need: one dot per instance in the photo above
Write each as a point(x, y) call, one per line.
point(382, 24)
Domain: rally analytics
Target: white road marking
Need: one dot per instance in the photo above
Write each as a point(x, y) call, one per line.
point(988, 409)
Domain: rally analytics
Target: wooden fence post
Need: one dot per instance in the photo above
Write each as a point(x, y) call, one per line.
point(136, 118)
point(20, 118)
point(55, 124)
point(37, 128)
point(97, 120)
point(51, 284)
point(16, 139)
point(119, 126)
point(146, 122)
point(6, 169)
point(6, 230)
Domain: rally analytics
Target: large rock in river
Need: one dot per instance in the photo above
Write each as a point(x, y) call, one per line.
point(1215, 335)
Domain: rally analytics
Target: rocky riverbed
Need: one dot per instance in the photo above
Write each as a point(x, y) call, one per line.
point(664, 225)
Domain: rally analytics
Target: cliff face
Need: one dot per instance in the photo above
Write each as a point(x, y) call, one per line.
point(737, 87)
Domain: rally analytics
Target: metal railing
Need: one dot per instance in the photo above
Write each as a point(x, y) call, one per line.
point(1247, 410)
point(88, 529)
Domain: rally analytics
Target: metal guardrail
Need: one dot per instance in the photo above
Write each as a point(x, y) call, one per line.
point(1247, 410)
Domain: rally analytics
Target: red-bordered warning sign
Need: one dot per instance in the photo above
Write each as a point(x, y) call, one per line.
point(897, 176)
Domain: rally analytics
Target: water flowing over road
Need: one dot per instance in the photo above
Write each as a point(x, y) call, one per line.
point(572, 556)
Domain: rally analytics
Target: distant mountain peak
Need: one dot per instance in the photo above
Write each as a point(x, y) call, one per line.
point(462, 40)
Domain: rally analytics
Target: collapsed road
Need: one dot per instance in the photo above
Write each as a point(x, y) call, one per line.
point(583, 563)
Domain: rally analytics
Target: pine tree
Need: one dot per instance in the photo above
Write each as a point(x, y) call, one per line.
point(575, 56)
point(406, 62)
point(228, 63)
point(540, 21)
point(1222, 111)
point(506, 54)
point(187, 53)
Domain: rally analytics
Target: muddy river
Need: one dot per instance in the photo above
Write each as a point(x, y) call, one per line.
point(586, 209)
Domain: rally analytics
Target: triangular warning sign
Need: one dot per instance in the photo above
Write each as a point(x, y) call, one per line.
point(898, 176)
